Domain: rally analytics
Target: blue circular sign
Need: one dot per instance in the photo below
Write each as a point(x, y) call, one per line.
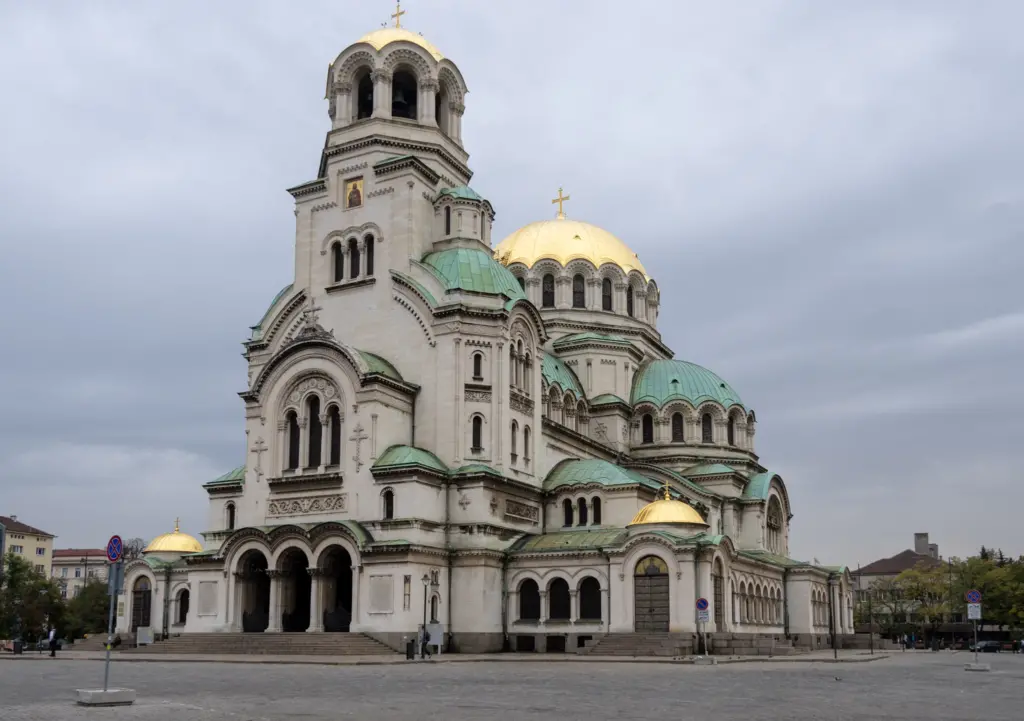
point(114, 549)
point(974, 596)
point(702, 604)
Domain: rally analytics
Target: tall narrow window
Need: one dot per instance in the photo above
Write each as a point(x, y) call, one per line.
point(595, 506)
point(732, 431)
point(335, 420)
point(364, 94)
point(515, 433)
point(606, 294)
point(647, 423)
point(513, 366)
point(369, 255)
point(230, 508)
point(338, 258)
point(447, 220)
point(315, 432)
point(629, 302)
point(567, 512)
point(353, 259)
point(579, 295)
point(677, 428)
point(522, 282)
point(547, 288)
point(581, 507)
point(526, 443)
point(389, 504)
point(292, 421)
point(478, 433)
point(706, 429)
point(478, 366)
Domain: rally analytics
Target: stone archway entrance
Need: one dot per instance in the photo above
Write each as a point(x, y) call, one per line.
point(336, 589)
point(295, 591)
point(650, 595)
point(142, 599)
point(253, 591)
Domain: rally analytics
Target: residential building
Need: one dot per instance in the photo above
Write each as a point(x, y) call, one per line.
point(72, 567)
point(32, 544)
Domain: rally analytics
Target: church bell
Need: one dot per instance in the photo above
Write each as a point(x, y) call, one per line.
point(399, 101)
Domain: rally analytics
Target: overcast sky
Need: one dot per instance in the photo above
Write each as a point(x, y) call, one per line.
point(830, 196)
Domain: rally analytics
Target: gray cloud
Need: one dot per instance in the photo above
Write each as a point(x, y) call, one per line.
point(829, 197)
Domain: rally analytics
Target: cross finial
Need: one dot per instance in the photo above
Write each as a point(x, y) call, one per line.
point(176, 522)
point(560, 199)
point(397, 15)
point(668, 496)
point(310, 315)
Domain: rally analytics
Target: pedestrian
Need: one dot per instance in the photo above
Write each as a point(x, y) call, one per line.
point(426, 644)
point(53, 643)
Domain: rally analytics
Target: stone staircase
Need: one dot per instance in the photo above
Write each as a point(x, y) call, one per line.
point(750, 644)
point(97, 641)
point(641, 644)
point(281, 644)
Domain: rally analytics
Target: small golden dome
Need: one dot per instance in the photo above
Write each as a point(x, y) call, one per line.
point(563, 240)
point(175, 542)
point(666, 510)
point(385, 36)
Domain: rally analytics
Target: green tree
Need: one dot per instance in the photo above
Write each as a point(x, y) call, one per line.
point(88, 611)
point(30, 603)
point(927, 590)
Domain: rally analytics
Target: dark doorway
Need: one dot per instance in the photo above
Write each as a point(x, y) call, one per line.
point(651, 595)
point(529, 601)
point(183, 600)
point(590, 599)
point(254, 592)
point(296, 586)
point(142, 598)
point(336, 589)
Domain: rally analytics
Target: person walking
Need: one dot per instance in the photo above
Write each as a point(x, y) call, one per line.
point(53, 643)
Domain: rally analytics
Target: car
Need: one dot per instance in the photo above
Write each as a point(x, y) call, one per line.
point(987, 647)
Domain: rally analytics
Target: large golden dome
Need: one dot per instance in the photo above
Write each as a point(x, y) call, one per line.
point(666, 510)
point(563, 240)
point(174, 542)
point(385, 36)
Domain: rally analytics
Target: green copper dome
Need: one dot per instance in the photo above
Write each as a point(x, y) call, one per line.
point(474, 271)
point(661, 381)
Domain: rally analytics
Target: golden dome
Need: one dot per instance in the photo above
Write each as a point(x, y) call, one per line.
point(175, 542)
point(666, 510)
point(385, 36)
point(563, 240)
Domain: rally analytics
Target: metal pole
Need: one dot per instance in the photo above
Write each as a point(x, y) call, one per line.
point(114, 568)
point(423, 638)
point(871, 624)
point(975, 641)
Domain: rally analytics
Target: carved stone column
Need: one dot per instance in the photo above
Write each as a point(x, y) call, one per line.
point(456, 130)
point(274, 607)
point(574, 605)
point(325, 441)
point(543, 607)
point(428, 95)
point(316, 615)
point(303, 442)
point(381, 94)
point(341, 104)
point(362, 257)
point(563, 292)
point(280, 448)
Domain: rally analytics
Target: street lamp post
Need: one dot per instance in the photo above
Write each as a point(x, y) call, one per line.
point(423, 635)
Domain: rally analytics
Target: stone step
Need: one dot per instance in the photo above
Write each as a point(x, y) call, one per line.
point(333, 644)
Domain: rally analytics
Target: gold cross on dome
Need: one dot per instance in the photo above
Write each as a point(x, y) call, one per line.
point(176, 522)
point(397, 15)
point(668, 496)
point(560, 199)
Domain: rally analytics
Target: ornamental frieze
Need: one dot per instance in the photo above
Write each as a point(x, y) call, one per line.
point(321, 384)
point(522, 511)
point(478, 396)
point(307, 506)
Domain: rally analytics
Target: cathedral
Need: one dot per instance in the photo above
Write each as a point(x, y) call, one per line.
point(487, 436)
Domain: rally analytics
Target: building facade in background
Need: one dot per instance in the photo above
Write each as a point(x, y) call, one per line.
point(72, 567)
point(29, 542)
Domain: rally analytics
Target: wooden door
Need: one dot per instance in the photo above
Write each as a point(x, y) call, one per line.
point(651, 596)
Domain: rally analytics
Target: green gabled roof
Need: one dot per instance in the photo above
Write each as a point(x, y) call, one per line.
point(392, 159)
point(606, 398)
point(710, 469)
point(593, 470)
point(418, 286)
point(590, 336)
point(555, 371)
point(470, 468)
point(773, 558)
point(463, 192)
point(570, 541)
point(409, 457)
point(381, 366)
point(473, 270)
point(661, 381)
point(277, 298)
point(757, 487)
point(235, 475)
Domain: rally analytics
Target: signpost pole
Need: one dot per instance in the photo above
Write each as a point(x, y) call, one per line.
point(975, 641)
point(113, 573)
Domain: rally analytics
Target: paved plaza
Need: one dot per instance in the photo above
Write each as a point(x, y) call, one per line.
point(903, 686)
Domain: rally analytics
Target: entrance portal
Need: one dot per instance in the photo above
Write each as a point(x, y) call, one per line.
point(336, 589)
point(295, 589)
point(142, 596)
point(253, 592)
point(650, 595)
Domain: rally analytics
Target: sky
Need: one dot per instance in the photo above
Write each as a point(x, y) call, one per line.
point(829, 195)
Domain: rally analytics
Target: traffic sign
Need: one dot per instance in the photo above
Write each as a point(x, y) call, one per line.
point(114, 549)
point(702, 604)
point(703, 615)
point(973, 611)
point(974, 596)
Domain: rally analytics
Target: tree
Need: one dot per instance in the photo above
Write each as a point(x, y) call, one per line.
point(927, 589)
point(88, 611)
point(132, 549)
point(30, 603)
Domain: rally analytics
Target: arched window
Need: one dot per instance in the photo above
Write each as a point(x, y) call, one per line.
point(647, 423)
point(774, 523)
point(478, 434)
point(478, 366)
point(292, 421)
point(403, 95)
point(369, 255)
point(606, 294)
point(353, 259)
point(581, 506)
point(581, 414)
point(579, 295)
point(547, 287)
point(513, 366)
point(515, 433)
point(364, 96)
point(526, 443)
point(315, 432)
point(529, 601)
point(447, 220)
point(567, 512)
point(434, 601)
point(388, 498)
point(732, 431)
point(338, 261)
point(706, 429)
point(590, 599)
point(522, 282)
point(677, 428)
point(629, 302)
point(230, 513)
point(595, 505)
point(559, 604)
point(334, 418)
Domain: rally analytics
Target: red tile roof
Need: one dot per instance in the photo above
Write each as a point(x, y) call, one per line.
point(13, 526)
point(896, 564)
point(79, 552)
